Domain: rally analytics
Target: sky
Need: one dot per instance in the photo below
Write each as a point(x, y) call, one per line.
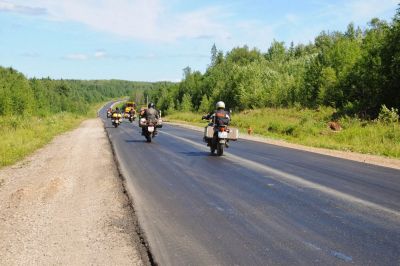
point(153, 40)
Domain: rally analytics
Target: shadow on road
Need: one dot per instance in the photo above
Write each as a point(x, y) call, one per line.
point(196, 153)
point(135, 141)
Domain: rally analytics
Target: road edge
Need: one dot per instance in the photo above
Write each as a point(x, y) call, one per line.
point(353, 156)
point(143, 245)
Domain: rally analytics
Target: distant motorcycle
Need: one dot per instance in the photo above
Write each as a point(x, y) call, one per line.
point(116, 119)
point(108, 114)
point(217, 137)
point(132, 116)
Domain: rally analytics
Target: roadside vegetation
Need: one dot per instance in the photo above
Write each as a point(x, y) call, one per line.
point(311, 127)
point(33, 111)
point(292, 92)
point(21, 135)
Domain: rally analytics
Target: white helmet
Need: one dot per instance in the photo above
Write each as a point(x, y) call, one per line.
point(220, 105)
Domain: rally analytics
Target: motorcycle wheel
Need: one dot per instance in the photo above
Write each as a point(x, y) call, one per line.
point(148, 138)
point(220, 149)
point(212, 149)
point(115, 125)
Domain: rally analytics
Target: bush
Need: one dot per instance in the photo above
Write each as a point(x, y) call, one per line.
point(388, 116)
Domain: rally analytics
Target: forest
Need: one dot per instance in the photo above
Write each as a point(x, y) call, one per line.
point(357, 72)
point(22, 96)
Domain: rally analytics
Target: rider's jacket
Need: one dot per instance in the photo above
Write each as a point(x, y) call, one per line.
point(220, 117)
point(151, 115)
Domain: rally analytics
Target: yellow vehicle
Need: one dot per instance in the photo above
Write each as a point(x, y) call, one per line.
point(129, 111)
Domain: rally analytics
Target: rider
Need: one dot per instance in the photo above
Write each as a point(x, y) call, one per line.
point(220, 117)
point(151, 115)
point(117, 111)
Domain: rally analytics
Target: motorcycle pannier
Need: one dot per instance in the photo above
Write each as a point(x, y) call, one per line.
point(142, 122)
point(159, 123)
point(209, 132)
point(233, 134)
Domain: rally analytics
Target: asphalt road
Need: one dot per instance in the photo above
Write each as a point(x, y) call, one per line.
point(259, 204)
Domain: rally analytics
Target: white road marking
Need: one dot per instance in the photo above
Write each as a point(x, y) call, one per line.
point(292, 178)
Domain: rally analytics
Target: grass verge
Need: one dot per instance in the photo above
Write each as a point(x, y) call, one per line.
point(21, 136)
point(310, 128)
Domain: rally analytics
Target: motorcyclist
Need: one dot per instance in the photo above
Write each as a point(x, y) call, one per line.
point(220, 117)
point(117, 111)
point(151, 115)
point(109, 112)
point(132, 114)
point(141, 112)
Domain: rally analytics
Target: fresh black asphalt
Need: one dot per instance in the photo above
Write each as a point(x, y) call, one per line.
point(259, 204)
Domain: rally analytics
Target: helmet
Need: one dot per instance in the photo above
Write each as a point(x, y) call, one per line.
point(151, 105)
point(117, 109)
point(220, 105)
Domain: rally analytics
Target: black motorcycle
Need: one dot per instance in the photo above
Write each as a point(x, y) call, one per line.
point(149, 128)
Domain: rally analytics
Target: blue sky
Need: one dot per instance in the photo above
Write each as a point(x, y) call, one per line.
point(153, 40)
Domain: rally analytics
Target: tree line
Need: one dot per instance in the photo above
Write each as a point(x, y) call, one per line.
point(22, 96)
point(356, 72)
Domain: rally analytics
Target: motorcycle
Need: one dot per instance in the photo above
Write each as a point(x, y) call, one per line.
point(132, 117)
point(108, 114)
point(217, 137)
point(116, 119)
point(149, 128)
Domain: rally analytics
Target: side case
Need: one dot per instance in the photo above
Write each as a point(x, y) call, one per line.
point(209, 132)
point(233, 134)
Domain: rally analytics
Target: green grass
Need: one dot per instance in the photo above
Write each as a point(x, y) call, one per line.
point(20, 136)
point(309, 127)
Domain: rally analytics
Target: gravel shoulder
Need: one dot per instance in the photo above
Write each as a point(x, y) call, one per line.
point(364, 158)
point(65, 204)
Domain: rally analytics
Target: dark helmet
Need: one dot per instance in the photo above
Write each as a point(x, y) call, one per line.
point(117, 109)
point(150, 105)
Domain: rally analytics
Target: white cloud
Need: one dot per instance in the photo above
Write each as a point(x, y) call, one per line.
point(77, 56)
point(100, 54)
point(357, 11)
point(138, 19)
point(6, 6)
point(367, 9)
point(291, 18)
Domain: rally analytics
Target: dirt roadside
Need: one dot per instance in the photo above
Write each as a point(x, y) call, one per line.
point(66, 205)
point(364, 158)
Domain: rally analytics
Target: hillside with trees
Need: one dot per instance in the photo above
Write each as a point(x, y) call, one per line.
point(22, 96)
point(356, 72)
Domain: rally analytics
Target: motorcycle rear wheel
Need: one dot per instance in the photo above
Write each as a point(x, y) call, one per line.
point(220, 149)
point(148, 138)
point(212, 149)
